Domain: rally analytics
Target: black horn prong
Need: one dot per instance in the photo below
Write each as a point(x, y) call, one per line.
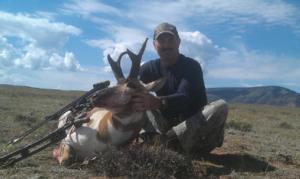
point(135, 67)
point(116, 68)
point(136, 61)
point(143, 48)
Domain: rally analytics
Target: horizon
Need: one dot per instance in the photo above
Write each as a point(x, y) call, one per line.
point(227, 87)
point(54, 45)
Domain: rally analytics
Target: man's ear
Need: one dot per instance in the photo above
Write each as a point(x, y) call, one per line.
point(156, 85)
point(179, 40)
point(154, 45)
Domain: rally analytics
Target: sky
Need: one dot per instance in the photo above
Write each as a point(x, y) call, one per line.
point(64, 44)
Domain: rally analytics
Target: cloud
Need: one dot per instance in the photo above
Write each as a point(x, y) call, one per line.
point(86, 8)
point(244, 64)
point(198, 46)
point(35, 29)
point(67, 62)
point(255, 11)
point(122, 38)
point(47, 15)
point(7, 52)
point(65, 80)
point(215, 12)
point(32, 42)
point(35, 58)
point(114, 49)
point(247, 68)
point(7, 78)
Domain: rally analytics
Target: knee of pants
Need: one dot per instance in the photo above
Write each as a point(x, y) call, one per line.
point(216, 111)
point(222, 106)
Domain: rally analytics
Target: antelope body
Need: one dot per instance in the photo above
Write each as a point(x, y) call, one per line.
point(112, 122)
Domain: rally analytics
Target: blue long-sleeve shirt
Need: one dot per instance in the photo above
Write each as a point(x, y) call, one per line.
point(184, 89)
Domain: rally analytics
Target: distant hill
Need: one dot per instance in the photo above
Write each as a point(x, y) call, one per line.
point(270, 95)
point(12, 90)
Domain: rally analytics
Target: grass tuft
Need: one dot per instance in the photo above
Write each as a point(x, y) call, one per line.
point(285, 125)
point(241, 126)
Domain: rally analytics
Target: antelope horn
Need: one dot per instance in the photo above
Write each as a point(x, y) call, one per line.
point(116, 67)
point(136, 61)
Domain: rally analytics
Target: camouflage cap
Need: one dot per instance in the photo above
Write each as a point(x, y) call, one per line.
point(165, 28)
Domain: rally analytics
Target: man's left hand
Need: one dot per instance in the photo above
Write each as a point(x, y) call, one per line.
point(143, 102)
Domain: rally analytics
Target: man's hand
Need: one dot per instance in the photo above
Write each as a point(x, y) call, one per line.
point(143, 102)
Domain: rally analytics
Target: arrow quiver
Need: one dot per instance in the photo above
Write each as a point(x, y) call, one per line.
point(78, 109)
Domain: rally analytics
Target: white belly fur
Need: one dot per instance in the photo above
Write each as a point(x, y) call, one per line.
point(84, 139)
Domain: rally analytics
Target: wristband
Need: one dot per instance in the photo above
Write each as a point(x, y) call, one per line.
point(163, 103)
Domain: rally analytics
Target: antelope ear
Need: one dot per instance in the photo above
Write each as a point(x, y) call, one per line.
point(156, 85)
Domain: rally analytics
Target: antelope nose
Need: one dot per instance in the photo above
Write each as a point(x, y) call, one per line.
point(56, 153)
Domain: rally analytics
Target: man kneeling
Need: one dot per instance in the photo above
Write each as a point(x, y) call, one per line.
point(179, 111)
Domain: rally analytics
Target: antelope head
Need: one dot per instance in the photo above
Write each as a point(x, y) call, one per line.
point(118, 97)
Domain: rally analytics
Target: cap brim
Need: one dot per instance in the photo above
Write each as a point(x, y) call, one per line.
point(164, 32)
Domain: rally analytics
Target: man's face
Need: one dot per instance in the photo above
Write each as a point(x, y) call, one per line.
point(167, 47)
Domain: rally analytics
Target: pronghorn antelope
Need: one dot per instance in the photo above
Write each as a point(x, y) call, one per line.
point(112, 122)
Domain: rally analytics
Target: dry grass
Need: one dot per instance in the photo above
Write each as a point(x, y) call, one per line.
point(138, 161)
point(260, 142)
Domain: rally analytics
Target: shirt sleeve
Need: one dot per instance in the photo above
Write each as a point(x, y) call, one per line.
point(190, 95)
point(175, 101)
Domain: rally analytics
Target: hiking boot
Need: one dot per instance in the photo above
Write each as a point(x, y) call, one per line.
point(209, 142)
point(220, 138)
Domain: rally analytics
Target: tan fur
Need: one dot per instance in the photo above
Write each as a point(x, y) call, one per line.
point(103, 127)
point(133, 126)
point(66, 154)
point(91, 112)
